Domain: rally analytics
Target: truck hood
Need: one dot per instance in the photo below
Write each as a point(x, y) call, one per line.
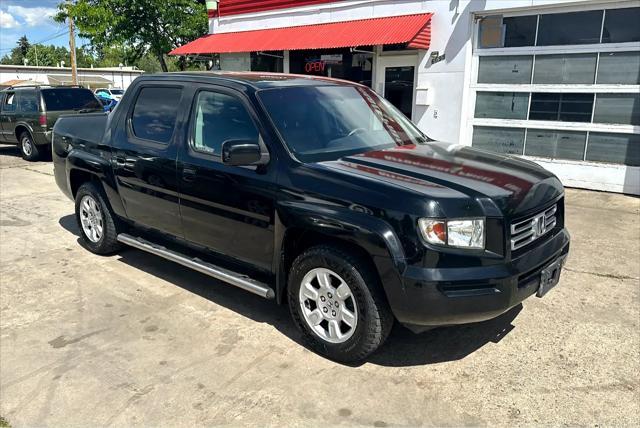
point(439, 170)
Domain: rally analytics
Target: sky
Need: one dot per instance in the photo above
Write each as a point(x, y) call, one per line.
point(33, 18)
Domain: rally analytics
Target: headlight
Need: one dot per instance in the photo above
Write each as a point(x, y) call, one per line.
point(467, 233)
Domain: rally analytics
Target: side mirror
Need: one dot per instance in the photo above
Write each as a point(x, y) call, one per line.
point(242, 153)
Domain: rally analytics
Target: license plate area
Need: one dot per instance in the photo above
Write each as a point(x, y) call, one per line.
point(550, 275)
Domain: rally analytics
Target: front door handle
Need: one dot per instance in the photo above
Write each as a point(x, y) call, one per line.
point(189, 174)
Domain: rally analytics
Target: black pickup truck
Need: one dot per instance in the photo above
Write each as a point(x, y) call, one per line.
point(317, 193)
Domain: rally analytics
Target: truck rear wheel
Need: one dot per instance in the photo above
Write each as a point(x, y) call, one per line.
point(28, 148)
point(96, 221)
point(337, 303)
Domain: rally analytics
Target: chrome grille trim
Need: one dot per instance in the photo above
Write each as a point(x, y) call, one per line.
point(528, 230)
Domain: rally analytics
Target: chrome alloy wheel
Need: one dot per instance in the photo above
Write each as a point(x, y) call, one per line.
point(328, 305)
point(27, 147)
point(91, 218)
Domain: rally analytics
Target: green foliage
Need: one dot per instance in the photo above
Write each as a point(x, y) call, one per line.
point(46, 55)
point(17, 54)
point(144, 26)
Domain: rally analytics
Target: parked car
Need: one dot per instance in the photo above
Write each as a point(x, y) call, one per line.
point(110, 94)
point(317, 193)
point(28, 113)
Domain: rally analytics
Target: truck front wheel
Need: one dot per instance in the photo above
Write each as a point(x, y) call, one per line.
point(337, 303)
point(96, 221)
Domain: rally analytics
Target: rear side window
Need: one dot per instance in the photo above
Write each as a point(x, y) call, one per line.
point(76, 99)
point(28, 102)
point(155, 112)
point(218, 118)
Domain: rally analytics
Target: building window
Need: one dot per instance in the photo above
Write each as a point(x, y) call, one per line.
point(565, 69)
point(553, 29)
point(614, 148)
point(621, 25)
point(617, 108)
point(519, 31)
point(555, 144)
point(500, 140)
point(267, 61)
point(619, 68)
point(561, 107)
point(502, 105)
point(574, 28)
point(338, 63)
point(505, 69)
point(524, 92)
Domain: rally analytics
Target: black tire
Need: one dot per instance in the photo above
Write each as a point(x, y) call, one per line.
point(28, 149)
point(374, 317)
point(107, 242)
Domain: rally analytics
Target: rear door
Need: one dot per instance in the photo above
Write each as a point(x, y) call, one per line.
point(228, 209)
point(144, 156)
point(8, 116)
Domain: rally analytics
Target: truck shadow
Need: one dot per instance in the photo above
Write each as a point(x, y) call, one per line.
point(9, 150)
point(403, 348)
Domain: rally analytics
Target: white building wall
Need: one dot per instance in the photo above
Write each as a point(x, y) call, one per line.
point(449, 113)
point(121, 78)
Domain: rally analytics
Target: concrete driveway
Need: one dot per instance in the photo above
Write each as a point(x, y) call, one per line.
point(135, 340)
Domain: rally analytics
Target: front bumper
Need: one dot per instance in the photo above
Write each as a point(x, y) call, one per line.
point(436, 297)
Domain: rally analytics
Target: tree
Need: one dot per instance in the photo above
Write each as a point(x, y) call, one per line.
point(23, 45)
point(17, 54)
point(144, 26)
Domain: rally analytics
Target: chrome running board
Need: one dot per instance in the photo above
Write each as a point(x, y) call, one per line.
point(230, 277)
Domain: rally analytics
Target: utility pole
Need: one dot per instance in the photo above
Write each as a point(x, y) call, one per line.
point(72, 47)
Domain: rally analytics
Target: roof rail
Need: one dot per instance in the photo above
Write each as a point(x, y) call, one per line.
point(42, 86)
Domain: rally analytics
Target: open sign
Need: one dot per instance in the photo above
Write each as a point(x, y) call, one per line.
point(314, 67)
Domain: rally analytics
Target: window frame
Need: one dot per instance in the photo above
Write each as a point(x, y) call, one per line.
point(14, 103)
point(469, 121)
point(191, 128)
point(131, 136)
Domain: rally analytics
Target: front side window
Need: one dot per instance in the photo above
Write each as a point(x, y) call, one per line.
point(219, 118)
point(321, 123)
point(155, 113)
point(9, 103)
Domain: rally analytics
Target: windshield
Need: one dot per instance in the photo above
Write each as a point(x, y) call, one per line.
point(117, 91)
point(321, 123)
point(59, 99)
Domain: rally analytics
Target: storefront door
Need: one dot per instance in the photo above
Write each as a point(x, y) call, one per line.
point(396, 81)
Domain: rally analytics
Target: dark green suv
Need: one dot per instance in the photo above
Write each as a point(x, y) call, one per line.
point(28, 113)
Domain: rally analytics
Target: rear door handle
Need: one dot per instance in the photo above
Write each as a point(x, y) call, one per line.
point(120, 161)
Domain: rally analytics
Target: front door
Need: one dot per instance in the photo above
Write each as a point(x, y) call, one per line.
point(7, 116)
point(395, 80)
point(144, 158)
point(228, 209)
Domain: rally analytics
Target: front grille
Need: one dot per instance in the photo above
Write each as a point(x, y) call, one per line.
point(526, 231)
